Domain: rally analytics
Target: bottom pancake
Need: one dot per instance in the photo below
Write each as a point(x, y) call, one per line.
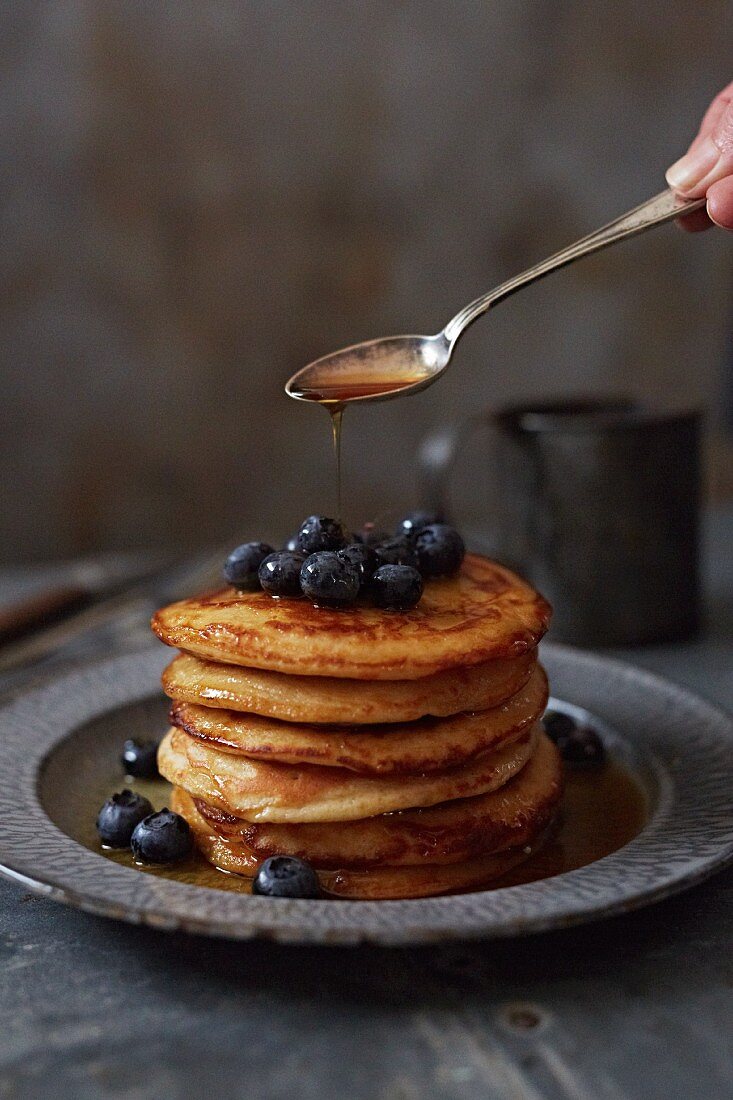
point(452, 832)
point(389, 883)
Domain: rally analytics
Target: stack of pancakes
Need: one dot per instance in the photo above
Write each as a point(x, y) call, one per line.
point(399, 752)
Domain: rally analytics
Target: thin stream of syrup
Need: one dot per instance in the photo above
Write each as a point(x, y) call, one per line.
point(334, 398)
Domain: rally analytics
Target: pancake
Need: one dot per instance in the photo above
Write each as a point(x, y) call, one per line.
point(297, 794)
point(453, 832)
point(432, 744)
point(427, 880)
point(483, 613)
point(351, 702)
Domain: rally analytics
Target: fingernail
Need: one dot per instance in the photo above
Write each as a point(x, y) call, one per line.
point(686, 173)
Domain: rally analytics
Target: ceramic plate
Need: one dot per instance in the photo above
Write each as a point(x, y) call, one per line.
point(61, 746)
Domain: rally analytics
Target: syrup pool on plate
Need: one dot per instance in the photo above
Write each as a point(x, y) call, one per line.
point(603, 808)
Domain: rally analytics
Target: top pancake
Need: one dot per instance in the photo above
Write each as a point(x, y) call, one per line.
point(483, 613)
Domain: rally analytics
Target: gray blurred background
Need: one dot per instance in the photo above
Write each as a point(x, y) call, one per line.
point(199, 197)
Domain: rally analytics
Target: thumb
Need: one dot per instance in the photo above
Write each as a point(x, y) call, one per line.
point(709, 159)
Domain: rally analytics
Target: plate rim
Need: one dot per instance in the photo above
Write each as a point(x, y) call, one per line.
point(35, 722)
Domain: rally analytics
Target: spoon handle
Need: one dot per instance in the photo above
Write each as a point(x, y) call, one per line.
point(661, 208)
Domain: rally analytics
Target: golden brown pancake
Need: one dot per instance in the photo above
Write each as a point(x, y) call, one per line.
point(450, 833)
point(325, 699)
point(432, 744)
point(297, 794)
point(426, 880)
point(483, 613)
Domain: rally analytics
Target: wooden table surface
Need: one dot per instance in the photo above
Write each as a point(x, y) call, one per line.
point(638, 1006)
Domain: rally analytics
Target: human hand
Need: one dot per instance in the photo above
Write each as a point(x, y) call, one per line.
point(706, 169)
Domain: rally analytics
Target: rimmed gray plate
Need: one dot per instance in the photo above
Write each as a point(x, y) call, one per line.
point(65, 739)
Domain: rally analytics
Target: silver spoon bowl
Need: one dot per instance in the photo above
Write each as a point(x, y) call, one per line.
point(378, 370)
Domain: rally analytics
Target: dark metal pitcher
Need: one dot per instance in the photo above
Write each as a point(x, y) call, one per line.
point(598, 507)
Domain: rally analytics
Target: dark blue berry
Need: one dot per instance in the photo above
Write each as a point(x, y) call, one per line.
point(397, 587)
point(286, 877)
point(578, 744)
point(415, 522)
point(162, 838)
point(321, 533)
point(326, 579)
point(558, 724)
point(240, 568)
point(119, 816)
point(140, 758)
point(362, 558)
point(371, 535)
point(280, 573)
point(292, 544)
point(440, 550)
point(398, 550)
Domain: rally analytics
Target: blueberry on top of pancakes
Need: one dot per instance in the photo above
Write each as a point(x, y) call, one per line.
point(396, 587)
point(397, 550)
point(415, 521)
point(440, 550)
point(279, 573)
point(329, 580)
point(321, 533)
point(362, 558)
point(242, 565)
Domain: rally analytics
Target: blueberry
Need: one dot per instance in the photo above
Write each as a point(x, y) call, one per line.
point(328, 580)
point(558, 724)
point(292, 544)
point(440, 550)
point(240, 568)
point(362, 558)
point(140, 758)
point(578, 744)
point(396, 551)
point(286, 877)
point(321, 533)
point(398, 587)
point(415, 522)
point(280, 573)
point(371, 535)
point(163, 837)
point(119, 816)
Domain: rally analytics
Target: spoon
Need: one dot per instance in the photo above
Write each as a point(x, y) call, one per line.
point(379, 369)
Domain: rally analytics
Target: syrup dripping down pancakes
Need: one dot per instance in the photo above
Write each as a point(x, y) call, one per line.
point(399, 752)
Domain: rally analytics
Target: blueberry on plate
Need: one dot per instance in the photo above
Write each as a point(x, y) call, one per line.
point(440, 550)
point(398, 550)
point(362, 558)
point(321, 533)
point(396, 587)
point(370, 535)
point(280, 573)
point(578, 744)
point(292, 544)
point(286, 877)
point(415, 521)
point(329, 580)
point(119, 816)
point(162, 837)
point(242, 565)
point(140, 758)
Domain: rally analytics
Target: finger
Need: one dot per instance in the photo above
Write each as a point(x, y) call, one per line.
point(709, 160)
point(714, 111)
point(720, 203)
point(695, 222)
